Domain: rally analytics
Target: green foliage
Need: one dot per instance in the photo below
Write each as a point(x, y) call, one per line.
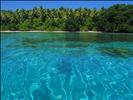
point(24, 26)
point(72, 23)
point(117, 18)
point(84, 28)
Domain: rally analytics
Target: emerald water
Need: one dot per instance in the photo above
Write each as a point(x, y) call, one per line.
point(66, 66)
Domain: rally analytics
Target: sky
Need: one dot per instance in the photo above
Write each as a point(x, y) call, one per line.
point(13, 5)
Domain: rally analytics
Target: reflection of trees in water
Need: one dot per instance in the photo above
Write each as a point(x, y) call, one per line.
point(113, 37)
point(81, 37)
point(100, 37)
point(69, 36)
point(88, 37)
point(73, 40)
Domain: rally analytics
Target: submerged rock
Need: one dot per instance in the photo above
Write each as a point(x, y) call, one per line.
point(40, 90)
point(65, 66)
point(41, 94)
point(119, 52)
point(34, 40)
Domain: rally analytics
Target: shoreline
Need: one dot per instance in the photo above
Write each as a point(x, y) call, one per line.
point(7, 31)
point(56, 31)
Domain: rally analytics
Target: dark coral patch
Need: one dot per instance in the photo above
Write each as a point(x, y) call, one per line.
point(65, 66)
point(117, 52)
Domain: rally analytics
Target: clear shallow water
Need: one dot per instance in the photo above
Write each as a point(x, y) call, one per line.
point(69, 66)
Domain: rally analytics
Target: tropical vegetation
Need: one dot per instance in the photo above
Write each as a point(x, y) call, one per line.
point(117, 18)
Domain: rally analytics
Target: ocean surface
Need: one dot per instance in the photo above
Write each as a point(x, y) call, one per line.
point(66, 66)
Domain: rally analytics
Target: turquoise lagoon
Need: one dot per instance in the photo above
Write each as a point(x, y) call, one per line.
point(66, 66)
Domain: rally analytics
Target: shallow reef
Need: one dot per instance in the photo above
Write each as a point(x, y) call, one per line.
point(117, 52)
